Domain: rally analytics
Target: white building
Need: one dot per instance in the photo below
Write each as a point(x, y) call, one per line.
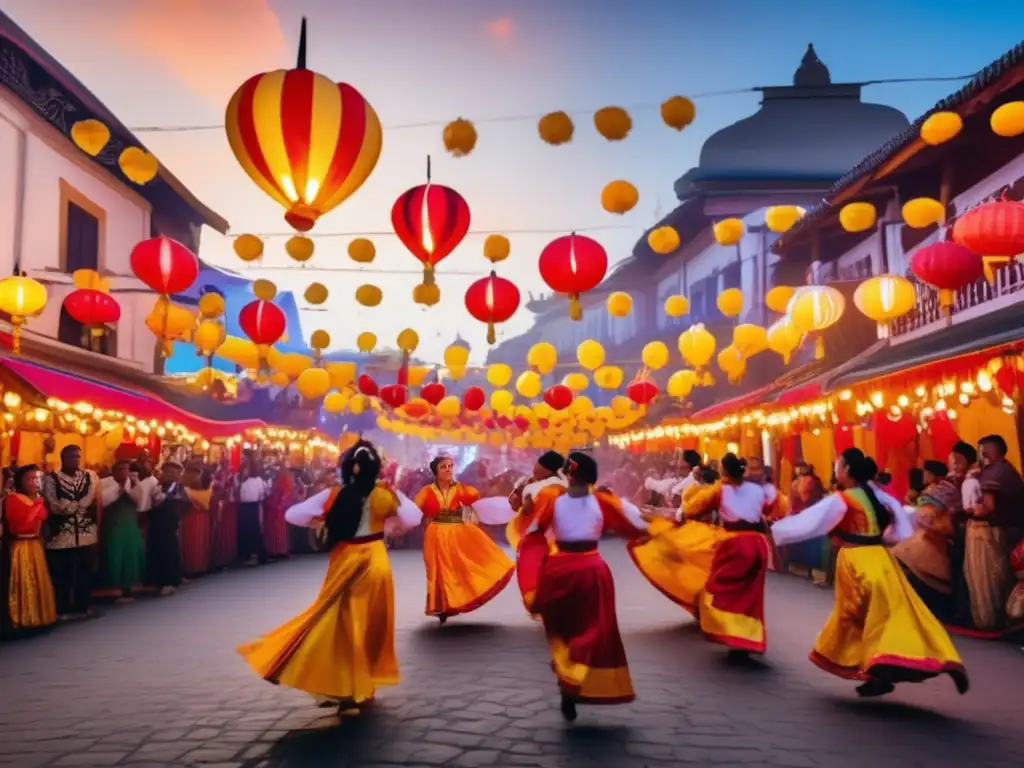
point(62, 210)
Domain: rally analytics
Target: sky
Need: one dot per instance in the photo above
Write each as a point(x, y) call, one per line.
point(421, 63)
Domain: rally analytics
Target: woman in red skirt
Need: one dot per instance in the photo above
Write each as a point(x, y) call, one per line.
point(572, 589)
point(225, 519)
point(196, 527)
point(275, 529)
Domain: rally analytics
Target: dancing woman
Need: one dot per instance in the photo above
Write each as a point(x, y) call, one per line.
point(548, 471)
point(880, 632)
point(465, 568)
point(342, 647)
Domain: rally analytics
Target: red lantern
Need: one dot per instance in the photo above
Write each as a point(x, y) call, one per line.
point(559, 397)
point(642, 390)
point(367, 386)
point(94, 310)
point(492, 300)
point(394, 395)
point(262, 321)
point(489, 423)
point(165, 265)
point(473, 399)
point(431, 221)
point(522, 423)
point(992, 229)
point(947, 267)
point(433, 393)
point(573, 265)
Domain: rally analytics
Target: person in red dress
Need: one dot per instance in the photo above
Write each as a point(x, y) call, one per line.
point(196, 525)
point(275, 530)
point(225, 518)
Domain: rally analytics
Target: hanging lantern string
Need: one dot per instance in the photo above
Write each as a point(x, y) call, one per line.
point(484, 232)
point(575, 113)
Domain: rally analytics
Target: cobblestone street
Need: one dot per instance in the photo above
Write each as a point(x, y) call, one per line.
point(158, 683)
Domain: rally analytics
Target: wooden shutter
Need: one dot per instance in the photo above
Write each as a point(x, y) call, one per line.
point(82, 250)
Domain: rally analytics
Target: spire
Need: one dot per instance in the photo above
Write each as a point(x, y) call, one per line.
point(812, 72)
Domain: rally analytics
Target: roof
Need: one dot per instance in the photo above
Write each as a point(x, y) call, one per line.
point(91, 106)
point(964, 101)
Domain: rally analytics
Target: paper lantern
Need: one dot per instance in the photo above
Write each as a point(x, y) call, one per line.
point(608, 377)
point(335, 402)
point(316, 293)
point(433, 393)
point(241, 352)
point(923, 212)
point(319, 340)
point(501, 400)
point(621, 406)
point(264, 323)
point(367, 386)
point(21, 298)
point(211, 303)
point(459, 137)
point(529, 384)
point(642, 390)
point(784, 338)
point(940, 127)
point(815, 308)
point(857, 217)
point(369, 295)
point(581, 406)
point(357, 405)
point(291, 364)
point(676, 306)
point(1008, 119)
point(619, 304)
point(427, 294)
point(138, 166)
point(169, 322)
point(732, 364)
point(678, 112)
point(573, 265)
point(94, 309)
point(90, 136)
point(408, 340)
point(248, 247)
point(749, 339)
point(165, 265)
point(299, 248)
point(543, 357)
point(663, 240)
point(313, 383)
point(947, 267)
point(728, 231)
point(449, 407)
point(456, 356)
point(781, 218)
point(576, 381)
point(730, 302)
point(555, 128)
point(614, 123)
point(499, 374)
point(777, 299)
point(342, 374)
point(496, 248)
point(655, 355)
point(306, 141)
point(559, 397)
point(885, 298)
point(590, 354)
point(362, 251)
point(697, 345)
point(681, 383)
point(208, 337)
point(394, 395)
point(992, 229)
point(430, 220)
point(473, 399)
point(492, 300)
point(366, 341)
point(619, 197)
point(264, 289)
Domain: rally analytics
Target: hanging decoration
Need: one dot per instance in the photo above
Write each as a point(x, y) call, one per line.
point(784, 338)
point(663, 240)
point(299, 248)
point(619, 197)
point(730, 302)
point(777, 299)
point(264, 289)
point(313, 383)
point(992, 229)
point(573, 264)
point(749, 339)
point(543, 357)
point(676, 306)
point(529, 384)
point(885, 298)
point(678, 112)
point(681, 383)
point(576, 381)
point(940, 127)
point(614, 123)
point(306, 141)
point(316, 293)
point(492, 300)
point(923, 212)
point(496, 248)
point(556, 128)
point(499, 374)
point(92, 305)
point(456, 356)
point(165, 265)
point(731, 362)
point(608, 377)
point(558, 397)
point(459, 137)
point(619, 304)
point(366, 341)
point(815, 308)
point(501, 400)
point(728, 231)
point(642, 390)
point(169, 322)
point(781, 218)
point(434, 392)
point(90, 136)
point(248, 247)
point(697, 345)
point(426, 295)
point(138, 166)
point(1008, 120)
point(947, 267)
point(857, 217)
point(654, 355)
point(369, 295)
point(264, 323)
point(362, 251)
point(21, 298)
point(590, 354)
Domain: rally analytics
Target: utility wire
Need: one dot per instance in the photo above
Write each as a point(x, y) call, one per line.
point(472, 232)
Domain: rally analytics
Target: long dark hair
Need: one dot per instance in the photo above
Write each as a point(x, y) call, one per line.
point(359, 466)
point(863, 470)
point(733, 467)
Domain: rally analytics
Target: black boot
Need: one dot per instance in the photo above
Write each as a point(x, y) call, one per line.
point(568, 708)
point(442, 617)
point(875, 687)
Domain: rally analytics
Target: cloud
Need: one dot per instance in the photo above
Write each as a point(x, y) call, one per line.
point(502, 28)
point(212, 46)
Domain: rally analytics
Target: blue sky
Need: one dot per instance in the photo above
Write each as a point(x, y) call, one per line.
point(176, 62)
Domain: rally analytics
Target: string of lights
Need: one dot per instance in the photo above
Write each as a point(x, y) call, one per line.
point(471, 233)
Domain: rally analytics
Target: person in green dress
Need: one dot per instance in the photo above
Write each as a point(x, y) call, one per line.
point(123, 550)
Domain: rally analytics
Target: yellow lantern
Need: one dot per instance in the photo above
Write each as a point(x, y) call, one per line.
point(814, 309)
point(499, 374)
point(555, 128)
point(614, 123)
point(90, 136)
point(784, 338)
point(697, 345)
point(456, 356)
point(138, 166)
point(728, 231)
point(681, 383)
point(542, 356)
point(208, 337)
point(320, 340)
point(248, 247)
point(619, 197)
point(750, 339)
point(1008, 120)
point(590, 354)
point(941, 127)
point(211, 305)
point(279, 380)
point(362, 251)
point(620, 304)
point(357, 405)
point(21, 298)
point(291, 364)
point(621, 405)
point(449, 407)
point(731, 361)
point(576, 381)
point(366, 341)
point(857, 217)
point(300, 248)
point(241, 352)
point(777, 299)
point(655, 355)
point(581, 406)
point(169, 322)
point(923, 212)
point(459, 137)
point(730, 302)
point(427, 294)
point(342, 374)
point(678, 112)
point(529, 384)
point(496, 248)
point(603, 413)
point(316, 293)
point(608, 377)
point(408, 340)
point(369, 295)
point(335, 402)
point(663, 240)
point(781, 218)
point(501, 400)
point(885, 298)
point(676, 306)
point(264, 289)
point(541, 410)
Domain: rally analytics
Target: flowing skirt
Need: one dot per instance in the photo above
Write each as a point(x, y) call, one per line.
point(30, 598)
point(275, 530)
point(225, 536)
point(343, 646)
point(195, 542)
point(516, 529)
point(732, 605)
point(677, 560)
point(124, 551)
point(989, 576)
point(575, 598)
point(879, 628)
point(465, 568)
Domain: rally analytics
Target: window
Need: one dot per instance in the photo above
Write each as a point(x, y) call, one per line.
point(732, 276)
point(82, 230)
point(72, 332)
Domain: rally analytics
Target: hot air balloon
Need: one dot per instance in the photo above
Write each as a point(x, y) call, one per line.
point(305, 140)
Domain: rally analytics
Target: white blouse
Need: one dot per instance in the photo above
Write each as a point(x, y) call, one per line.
point(743, 503)
point(531, 489)
point(821, 518)
point(580, 518)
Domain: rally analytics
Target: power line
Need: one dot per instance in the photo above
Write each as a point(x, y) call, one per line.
point(391, 233)
point(573, 113)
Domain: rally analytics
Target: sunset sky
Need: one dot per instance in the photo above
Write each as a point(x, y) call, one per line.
point(177, 62)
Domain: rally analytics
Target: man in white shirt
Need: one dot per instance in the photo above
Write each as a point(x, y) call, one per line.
point(252, 491)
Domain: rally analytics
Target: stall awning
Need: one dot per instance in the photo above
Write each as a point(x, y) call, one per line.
point(50, 382)
point(814, 382)
point(732, 405)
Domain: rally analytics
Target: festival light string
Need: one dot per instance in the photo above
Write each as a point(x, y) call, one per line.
point(470, 233)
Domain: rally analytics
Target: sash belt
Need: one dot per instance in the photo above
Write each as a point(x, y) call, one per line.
point(576, 546)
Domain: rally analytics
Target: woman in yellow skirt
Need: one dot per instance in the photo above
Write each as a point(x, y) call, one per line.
point(341, 648)
point(30, 598)
point(880, 632)
point(465, 568)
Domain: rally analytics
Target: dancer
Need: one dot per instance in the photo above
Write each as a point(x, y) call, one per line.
point(341, 648)
point(880, 632)
point(465, 568)
point(547, 471)
point(572, 589)
point(31, 602)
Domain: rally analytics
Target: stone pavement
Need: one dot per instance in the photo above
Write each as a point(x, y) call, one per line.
point(158, 683)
